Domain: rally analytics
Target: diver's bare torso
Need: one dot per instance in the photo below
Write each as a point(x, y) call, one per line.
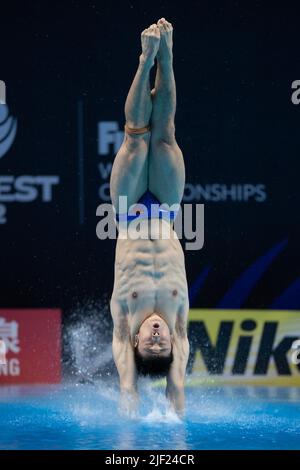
point(150, 277)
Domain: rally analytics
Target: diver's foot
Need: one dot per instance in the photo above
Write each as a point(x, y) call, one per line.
point(165, 51)
point(150, 38)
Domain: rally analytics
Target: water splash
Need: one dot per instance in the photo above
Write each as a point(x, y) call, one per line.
point(157, 416)
point(87, 340)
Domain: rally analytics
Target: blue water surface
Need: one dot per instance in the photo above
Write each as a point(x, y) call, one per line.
point(86, 417)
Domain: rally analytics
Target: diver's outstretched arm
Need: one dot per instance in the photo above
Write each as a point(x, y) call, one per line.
point(123, 355)
point(124, 359)
point(176, 375)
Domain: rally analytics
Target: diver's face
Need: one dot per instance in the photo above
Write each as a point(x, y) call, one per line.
point(154, 338)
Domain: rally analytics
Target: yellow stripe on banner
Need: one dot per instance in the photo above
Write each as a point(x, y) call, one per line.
point(250, 347)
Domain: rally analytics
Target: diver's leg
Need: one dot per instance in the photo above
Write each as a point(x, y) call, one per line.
point(166, 165)
point(129, 175)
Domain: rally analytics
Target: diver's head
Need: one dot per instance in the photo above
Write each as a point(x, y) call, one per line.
point(153, 347)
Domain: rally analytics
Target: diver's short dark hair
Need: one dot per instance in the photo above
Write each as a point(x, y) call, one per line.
point(153, 366)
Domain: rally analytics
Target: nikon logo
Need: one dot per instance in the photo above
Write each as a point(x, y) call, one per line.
point(247, 343)
point(2, 92)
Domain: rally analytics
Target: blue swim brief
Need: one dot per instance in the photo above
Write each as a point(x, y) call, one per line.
point(154, 210)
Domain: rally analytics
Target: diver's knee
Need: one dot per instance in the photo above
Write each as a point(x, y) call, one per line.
point(137, 143)
point(164, 135)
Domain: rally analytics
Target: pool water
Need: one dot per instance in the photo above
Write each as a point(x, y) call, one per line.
point(86, 417)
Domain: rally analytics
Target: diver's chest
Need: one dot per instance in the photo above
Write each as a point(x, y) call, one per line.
point(161, 297)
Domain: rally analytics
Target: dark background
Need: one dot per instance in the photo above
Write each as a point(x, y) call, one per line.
point(234, 65)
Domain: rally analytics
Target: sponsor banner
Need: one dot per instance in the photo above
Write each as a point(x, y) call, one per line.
point(255, 347)
point(31, 346)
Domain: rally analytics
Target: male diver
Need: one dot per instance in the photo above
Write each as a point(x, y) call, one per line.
point(149, 304)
